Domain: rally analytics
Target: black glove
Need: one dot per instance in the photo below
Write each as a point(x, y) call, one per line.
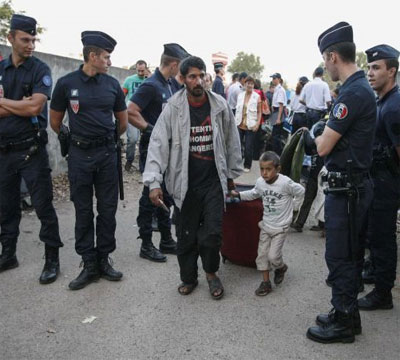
point(148, 129)
point(342, 144)
point(310, 148)
point(318, 128)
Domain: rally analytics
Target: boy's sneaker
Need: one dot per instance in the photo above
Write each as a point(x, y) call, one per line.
point(280, 274)
point(264, 289)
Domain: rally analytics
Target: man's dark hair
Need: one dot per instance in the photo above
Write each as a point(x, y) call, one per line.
point(243, 75)
point(218, 71)
point(141, 62)
point(271, 156)
point(392, 63)
point(346, 51)
point(235, 76)
point(191, 61)
point(319, 71)
point(88, 49)
point(167, 60)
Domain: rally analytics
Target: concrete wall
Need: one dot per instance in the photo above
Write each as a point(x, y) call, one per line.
point(60, 66)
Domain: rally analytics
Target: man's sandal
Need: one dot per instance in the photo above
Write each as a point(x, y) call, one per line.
point(186, 289)
point(215, 284)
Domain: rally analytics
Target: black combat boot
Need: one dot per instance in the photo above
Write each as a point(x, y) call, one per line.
point(376, 300)
point(51, 267)
point(325, 319)
point(8, 257)
point(339, 329)
point(167, 243)
point(89, 274)
point(107, 271)
point(150, 252)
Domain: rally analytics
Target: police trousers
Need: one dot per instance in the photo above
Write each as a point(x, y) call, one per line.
point(382, 217)
point(199, 231)
point(94, 171)
point(344, 273)
point(36, 172)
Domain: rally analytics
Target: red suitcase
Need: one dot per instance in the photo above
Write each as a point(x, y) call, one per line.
point(240, 231)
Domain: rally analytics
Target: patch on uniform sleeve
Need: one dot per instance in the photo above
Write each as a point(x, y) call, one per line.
point(46, 80)
point(340, 111)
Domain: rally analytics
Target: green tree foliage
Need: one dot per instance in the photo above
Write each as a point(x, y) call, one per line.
point(6, 12)
point(248, 63)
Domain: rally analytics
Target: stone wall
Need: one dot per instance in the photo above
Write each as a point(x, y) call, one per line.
point(60, 66)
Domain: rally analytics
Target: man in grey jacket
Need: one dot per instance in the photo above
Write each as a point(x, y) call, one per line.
point(195, 146)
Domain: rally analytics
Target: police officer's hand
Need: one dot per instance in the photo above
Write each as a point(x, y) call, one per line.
point(155, 196)
point(318, 128)
point(310, 148)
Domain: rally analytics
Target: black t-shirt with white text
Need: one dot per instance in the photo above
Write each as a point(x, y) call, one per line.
point(202, 169)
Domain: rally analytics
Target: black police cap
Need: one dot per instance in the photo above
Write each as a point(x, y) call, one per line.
point(341, 32)
point(98, 39)
point(175, 51)
point(276, 76)
point(218, 65)
point(23, 23)
point(380, 52)
point(304, 80)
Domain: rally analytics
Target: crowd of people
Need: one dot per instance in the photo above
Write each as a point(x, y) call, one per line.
point(195, 138)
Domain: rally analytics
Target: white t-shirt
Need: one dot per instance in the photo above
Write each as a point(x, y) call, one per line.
point(233, 92)
point(296, 105)
point(279, 96)
point(316, 94)
point(277, 200)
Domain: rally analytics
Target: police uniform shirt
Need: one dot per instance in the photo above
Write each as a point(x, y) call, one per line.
point(90, 101)
point(153, 94)
point(218, 86)
point(316, 94)
point(353, 116)
point(279, 96)
point(388, 119)
point(31, 77)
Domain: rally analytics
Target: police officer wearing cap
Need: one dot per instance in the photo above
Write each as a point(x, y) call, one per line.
point(218, 84)
point(144, 108)
point(383, 65)
point(346, 144)
point(25, 87)
point(91, 98)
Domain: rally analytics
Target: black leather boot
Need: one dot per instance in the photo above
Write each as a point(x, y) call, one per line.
point(89, 274)
point(376, 300)
point(107, 271)
point(150, 252)
point(51, 267)
point(8, 257)
point(339, 329)
point(325, 319)
point(167, 243)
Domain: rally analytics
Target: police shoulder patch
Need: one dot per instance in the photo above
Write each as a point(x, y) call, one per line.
point(340, 111)
point(46, 80)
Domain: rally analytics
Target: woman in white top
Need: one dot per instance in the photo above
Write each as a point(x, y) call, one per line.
point(248, 119)
point(299, 116)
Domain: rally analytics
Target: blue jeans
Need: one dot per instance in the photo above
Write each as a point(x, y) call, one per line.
point(132, 134)
point(247, 142)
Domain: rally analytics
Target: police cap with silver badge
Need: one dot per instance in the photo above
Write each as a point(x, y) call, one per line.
point(341, 32)
point(380, 52)
point(23, 23)
point(98, 39)
point(175, 51)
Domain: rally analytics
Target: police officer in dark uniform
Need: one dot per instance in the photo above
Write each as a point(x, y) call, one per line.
point(346, 144)
point(25, 87)
point(144, 108)
point(91, 98)
point(383, 65)
point(218, 84)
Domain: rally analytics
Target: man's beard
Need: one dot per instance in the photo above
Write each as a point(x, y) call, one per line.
point(198, 91)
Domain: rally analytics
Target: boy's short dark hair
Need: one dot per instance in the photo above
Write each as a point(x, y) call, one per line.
point(88, 49)
point(392, 63)
point(191, 61)
point(271, 156)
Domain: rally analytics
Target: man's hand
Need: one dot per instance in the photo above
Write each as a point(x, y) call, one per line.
point(310, 147)
point(155, 196)
point(234, 194)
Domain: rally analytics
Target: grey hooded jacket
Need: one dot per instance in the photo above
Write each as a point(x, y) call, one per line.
point(168, 151)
